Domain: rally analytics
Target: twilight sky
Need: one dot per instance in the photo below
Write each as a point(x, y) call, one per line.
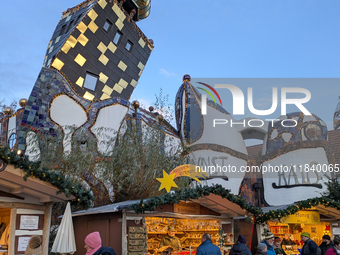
point(206, 39)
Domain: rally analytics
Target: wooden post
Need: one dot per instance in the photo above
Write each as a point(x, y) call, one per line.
point(11, 245)
point(46, 227)
point(124, 235)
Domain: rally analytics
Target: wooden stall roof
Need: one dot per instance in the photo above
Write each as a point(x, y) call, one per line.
point(13, 188)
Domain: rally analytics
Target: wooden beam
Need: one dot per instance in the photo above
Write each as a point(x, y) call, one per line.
point(16, 190)
point(11, 245)
point(22, 205)
point(6, 194)
point(46, 228)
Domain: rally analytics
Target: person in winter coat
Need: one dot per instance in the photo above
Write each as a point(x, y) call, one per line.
point(34, 246)
point(309, 247)
point(277, 246)
point(240, 247)
point(207, 247)
point(171, 240)
point(261, 249)
point(335, 250)
point(93, 245)
point(269, 241)
point(326, 244)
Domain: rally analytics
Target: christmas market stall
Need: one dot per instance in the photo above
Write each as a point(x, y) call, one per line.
point(138, 227)
point(318, 217)
point(26, 196)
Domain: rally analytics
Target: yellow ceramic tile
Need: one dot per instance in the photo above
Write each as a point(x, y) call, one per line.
point(82, 27)
point(80, 60)
point(101, 46)
point(71, 41)
point(119, 24)
point(119, 12)
point(102, 3)
point(103, 78)
point(107, 90)
point(112, 47)
point(133, 83)
point(58, 64)
point(88, 96)
point(66, 48)
point(118, 88)
point(122, 83)
point(80, 81)
point(140, 66)
point(141, 42)
point(92, 14)
point(103, 59)
point(140, 73)
point(82, 39)
point(93, 27)
point(122, 65)
point(104, 96)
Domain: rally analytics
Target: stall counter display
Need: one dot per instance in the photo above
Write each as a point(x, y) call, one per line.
point(188, 231)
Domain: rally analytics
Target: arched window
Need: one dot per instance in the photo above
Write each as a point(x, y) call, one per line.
point(12, 139)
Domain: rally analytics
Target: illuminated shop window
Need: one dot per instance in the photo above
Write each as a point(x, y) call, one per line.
point(128, 46)
point(117, 37)
point(11, 141)
point(90, 81)
point(107, 25)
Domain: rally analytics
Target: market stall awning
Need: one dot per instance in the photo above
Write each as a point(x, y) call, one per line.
point(221, 205)
point(13, 186)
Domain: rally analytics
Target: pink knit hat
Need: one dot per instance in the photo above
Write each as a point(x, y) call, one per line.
point(94, 241)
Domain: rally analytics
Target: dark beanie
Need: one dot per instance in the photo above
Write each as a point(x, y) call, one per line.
point(241, 239)
point(327, 237)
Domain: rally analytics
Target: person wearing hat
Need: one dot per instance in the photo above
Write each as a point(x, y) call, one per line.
point(309, 247)
point(170, 239)
point(240, 247)
point(269, 241)
point(335, 250)
point(93, 245)
point(326, 244)
point(277, 246)
point(261, 249)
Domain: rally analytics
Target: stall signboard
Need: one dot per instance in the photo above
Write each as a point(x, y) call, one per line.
point(305, 217)
point(29, 222)
point(187, 208)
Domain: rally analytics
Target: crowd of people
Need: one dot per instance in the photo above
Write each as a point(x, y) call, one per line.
point(271, 245)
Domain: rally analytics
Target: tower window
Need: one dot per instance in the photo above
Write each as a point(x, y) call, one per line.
point(90, 81)
point(70, 26)
point(62, 30)
point(107, 25)
point(11, 141)
point(117, 37)
point(128, 46)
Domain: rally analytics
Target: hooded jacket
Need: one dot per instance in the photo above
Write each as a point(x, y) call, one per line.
point(239, 249)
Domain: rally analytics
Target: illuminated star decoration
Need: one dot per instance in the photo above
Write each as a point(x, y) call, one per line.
point(167, 181)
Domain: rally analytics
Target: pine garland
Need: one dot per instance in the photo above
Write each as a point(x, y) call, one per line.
point(193, 193)
point(83, 197)
point(200, 191)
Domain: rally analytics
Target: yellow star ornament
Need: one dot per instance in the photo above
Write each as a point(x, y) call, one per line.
point(167, 181)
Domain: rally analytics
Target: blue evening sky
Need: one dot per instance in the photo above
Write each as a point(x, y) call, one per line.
point(208, 39)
